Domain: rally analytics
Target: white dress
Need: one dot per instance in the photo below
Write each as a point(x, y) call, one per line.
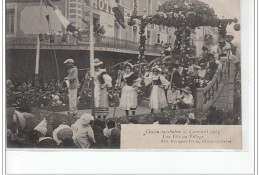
point(129, 95)
point(158, 98)
point(101, 96)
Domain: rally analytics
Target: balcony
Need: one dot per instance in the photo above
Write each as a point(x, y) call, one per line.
point(102, 43)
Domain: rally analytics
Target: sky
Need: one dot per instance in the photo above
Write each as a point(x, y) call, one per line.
point(228, 9)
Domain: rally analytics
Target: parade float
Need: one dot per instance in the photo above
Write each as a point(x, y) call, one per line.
point(185, 16)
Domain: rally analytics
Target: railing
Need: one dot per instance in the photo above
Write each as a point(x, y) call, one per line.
point(100, 41)
point(205, 97)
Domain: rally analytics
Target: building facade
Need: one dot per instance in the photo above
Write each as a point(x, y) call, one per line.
point(27, 18)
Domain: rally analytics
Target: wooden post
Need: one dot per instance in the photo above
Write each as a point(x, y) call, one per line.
point(37, 67)
point(37, 60)
point(91, 40)
point(199, 98)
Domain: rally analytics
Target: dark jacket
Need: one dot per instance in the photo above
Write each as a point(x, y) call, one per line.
point(177, 79)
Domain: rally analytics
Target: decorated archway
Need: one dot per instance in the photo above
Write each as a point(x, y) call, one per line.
point(185, 16)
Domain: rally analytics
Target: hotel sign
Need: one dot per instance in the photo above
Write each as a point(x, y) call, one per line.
point(102, 5)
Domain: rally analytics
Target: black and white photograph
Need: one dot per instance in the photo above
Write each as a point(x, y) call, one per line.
point(79, 71)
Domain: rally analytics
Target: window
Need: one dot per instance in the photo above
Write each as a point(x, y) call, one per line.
point(148, 39)
point(116, 30)
point(158, 38)
point(134, 33)
point(9, 19)
point(72, 5)
point(72, 10)
point(72, 16)
point(87, 2)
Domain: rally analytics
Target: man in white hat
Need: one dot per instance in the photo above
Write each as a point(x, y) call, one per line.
point(73, 84)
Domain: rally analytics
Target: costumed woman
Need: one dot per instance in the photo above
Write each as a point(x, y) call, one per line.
point(102, 81)
point(157, 98)
point(128, 100)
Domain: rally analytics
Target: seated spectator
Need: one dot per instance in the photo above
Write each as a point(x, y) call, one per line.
point(65, 136)
point(114, 139)
point(186, 99)
point(62, 130)
point(98, 127)
point(192, 120)
point(83, 133)
point(13, 141)
point(215, 117)
point(40, 134)
point(110, 126)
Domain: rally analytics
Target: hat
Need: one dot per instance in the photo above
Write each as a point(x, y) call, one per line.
point(128, 64)
point(65, 134)
point(204, 48)
point(59, 131)
point(86, 118)
point(69, 61)
point(97, 62)
point(42, 127)
point(157, 68)
point(186, 89)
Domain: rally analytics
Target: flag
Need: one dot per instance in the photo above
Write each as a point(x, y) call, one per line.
point(64, 21)
point(118, 11)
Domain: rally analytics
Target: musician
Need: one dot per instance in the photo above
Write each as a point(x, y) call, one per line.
point(73, 84)
point(157, 98)
point(175, 85)
point(205, 55)
point(128, 100)
point(102, 81)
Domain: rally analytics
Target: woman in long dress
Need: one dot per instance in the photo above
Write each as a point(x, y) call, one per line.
point(128, 100)
point(157, 98)
point(102, 81)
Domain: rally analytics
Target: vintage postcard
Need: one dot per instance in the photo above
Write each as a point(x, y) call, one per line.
point(123, 74)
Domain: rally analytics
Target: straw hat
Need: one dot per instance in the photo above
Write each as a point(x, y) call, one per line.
point(186, 89)
point(97, 62)
point(69, 61)
point(128, 64)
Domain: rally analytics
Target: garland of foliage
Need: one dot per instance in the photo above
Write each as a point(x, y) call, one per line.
point(184, 15)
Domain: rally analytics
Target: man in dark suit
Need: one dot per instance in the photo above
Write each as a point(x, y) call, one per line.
point(213, 66)
point(73, 84)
